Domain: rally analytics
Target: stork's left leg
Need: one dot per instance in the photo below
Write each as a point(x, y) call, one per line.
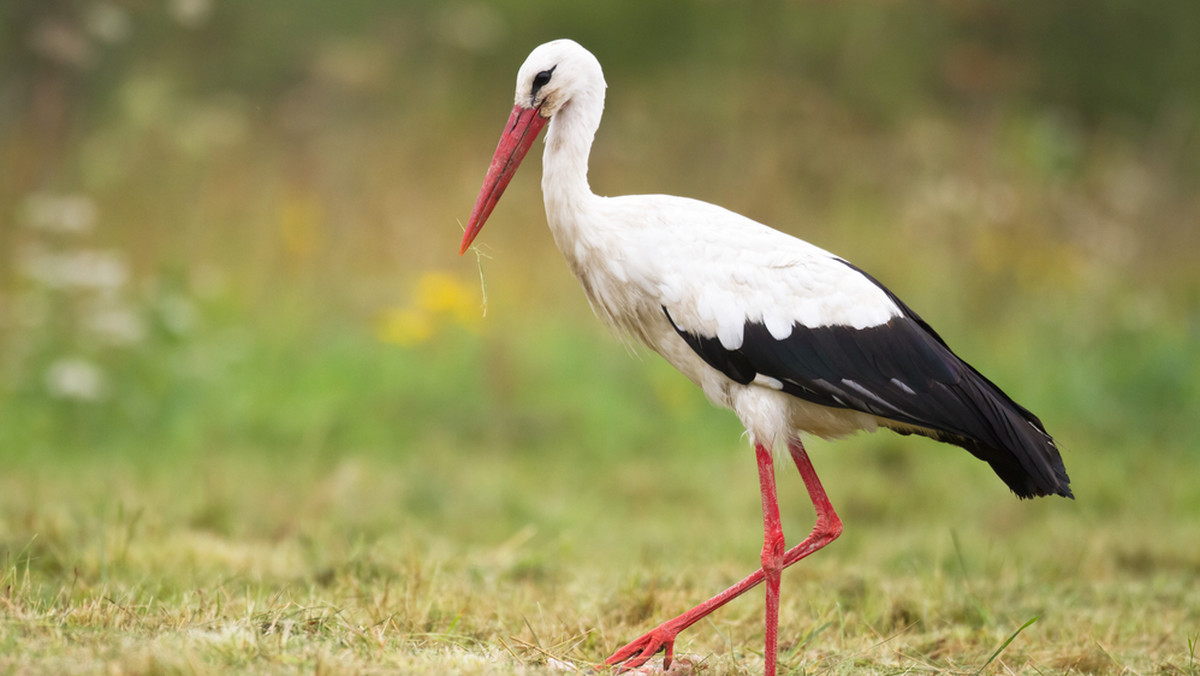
point(772, 553)
point(774, 560)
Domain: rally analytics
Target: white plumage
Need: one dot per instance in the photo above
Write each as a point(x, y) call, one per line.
point(789, 336)
point(710, 268)
point(713, 271)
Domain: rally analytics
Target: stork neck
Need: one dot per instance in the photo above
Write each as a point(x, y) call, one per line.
point(565, 161)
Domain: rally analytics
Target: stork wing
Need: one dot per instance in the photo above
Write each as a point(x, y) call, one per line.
point(900, 371)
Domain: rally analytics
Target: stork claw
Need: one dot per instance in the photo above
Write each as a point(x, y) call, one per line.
point(636, 652)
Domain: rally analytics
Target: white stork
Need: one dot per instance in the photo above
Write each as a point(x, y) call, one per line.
point(790, 337)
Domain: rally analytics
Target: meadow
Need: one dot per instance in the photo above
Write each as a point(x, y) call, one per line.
point(257, 416)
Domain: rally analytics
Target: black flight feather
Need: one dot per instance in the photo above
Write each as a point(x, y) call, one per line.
point(900, 371)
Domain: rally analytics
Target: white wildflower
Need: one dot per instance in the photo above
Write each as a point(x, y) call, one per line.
point(116, 325)
point(74, 213)
point(75, 378)
point(89, 269)
point(191, 13)
point(108, 22)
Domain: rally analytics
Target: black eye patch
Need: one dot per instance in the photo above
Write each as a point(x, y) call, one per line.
point(540, 80)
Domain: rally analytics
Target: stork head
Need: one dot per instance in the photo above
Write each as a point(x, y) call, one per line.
point(553, 75)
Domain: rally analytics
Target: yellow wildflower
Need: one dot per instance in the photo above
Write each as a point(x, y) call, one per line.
point(438, 299)
point(440, 293)
point(405, 327)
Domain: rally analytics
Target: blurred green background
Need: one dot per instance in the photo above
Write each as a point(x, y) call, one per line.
point(228, 236)
point(195, 193)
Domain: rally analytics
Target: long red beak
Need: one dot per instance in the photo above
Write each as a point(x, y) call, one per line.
point(523, 127)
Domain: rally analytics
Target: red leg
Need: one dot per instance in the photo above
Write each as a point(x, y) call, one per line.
point(772, 553)
point(826, 530)
point(828, 526)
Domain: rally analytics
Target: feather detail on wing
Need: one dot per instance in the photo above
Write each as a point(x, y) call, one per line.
point(899, 371)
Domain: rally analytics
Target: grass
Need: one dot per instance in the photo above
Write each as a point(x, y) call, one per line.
point(310, 569)
point(501, 534)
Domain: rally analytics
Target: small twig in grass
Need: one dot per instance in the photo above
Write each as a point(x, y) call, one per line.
point(885, 639)
point(1004, 645)
point(479, 256)
point(550, 657)
point(508, 648)
point(574, 641)
point(537, 642)
point(1104, 651)
point(482, 281)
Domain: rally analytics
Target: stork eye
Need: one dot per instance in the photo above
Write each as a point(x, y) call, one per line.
point(541, 79)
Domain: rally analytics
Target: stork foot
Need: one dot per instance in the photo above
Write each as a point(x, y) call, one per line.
point(682, 665)
point(637, 652)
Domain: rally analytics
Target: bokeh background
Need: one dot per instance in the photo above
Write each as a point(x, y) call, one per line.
point(231, 302)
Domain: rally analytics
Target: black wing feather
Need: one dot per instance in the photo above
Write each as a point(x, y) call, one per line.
point(904, 372)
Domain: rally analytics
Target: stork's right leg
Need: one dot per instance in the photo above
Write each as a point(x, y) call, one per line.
point(827, 528)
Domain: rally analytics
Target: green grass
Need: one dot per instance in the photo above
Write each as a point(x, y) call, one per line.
point(481, 504)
